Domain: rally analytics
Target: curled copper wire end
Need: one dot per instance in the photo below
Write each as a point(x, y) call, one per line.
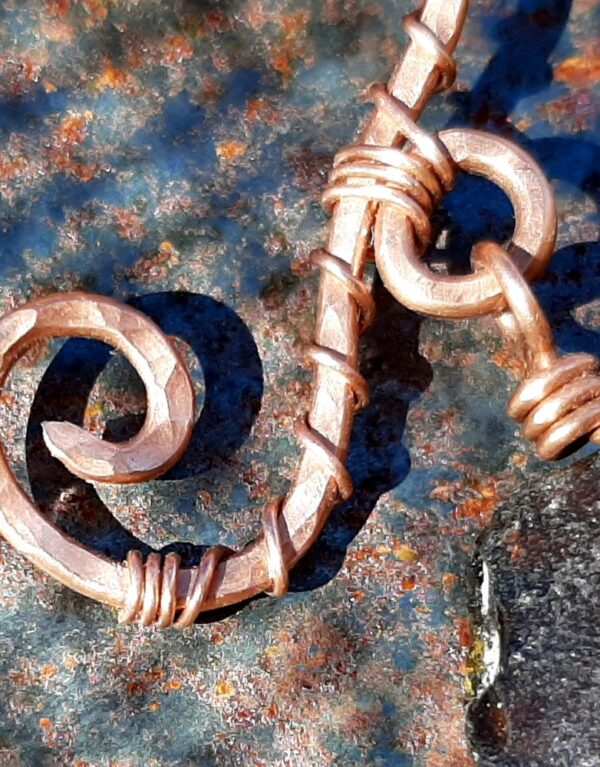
point(559, 402)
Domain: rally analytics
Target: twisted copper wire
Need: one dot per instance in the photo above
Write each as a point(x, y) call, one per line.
point(559, 402)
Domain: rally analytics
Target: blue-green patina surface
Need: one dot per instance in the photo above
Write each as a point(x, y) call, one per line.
point(173, 155)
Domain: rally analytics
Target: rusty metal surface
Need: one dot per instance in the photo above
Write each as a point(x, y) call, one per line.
point(174, 155)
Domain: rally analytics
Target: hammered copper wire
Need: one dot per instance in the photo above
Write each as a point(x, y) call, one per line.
point(344, 308)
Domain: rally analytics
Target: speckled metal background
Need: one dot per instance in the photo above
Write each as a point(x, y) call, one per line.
point(173, 154)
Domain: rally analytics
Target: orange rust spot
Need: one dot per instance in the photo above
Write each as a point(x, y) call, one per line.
point(174, 684)
point(97, 9)
point(408, 582)
point(465, 632)
point(217, 638)
point(475, 507)
point(48, 670)
point(449, 582)
point(261, 109)
point(72, 130)
point(294, 23)
point(229, 150)
point(129, 224)
point(45, 723)
point(154, 705)
point(176, 49)
point(224, 689)
point(56, 30)
point(281, 62)
point(111, 77)
point(255, 14)
point(58, 8)
point(481, 507)
point(579, 70)
point(514, 363)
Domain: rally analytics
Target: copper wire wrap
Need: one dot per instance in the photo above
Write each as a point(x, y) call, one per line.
point(276, 563)
point(559, 402)
point(375, 175)
point(152, 595)
point(412, 179)
point(430, 46)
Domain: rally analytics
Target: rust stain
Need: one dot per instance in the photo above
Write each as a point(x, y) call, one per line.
point(579, 70)
point(230, 150)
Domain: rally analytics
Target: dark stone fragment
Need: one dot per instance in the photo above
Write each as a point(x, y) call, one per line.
point(542, 555)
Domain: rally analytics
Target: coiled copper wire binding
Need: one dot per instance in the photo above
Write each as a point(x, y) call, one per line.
point(559, 402)
point(382, 192)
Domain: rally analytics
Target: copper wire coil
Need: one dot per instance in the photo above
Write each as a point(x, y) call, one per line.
point(152, 595)
point(560, 405)
point(412, 180)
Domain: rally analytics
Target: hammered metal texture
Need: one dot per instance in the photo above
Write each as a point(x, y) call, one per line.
point(174, 155)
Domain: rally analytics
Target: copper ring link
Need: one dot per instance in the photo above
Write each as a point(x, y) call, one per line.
point(402, 186)
point(398, 255)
